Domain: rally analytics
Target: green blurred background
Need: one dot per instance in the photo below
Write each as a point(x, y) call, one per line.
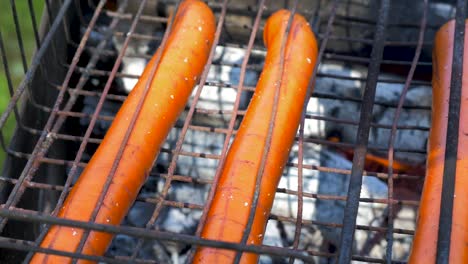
point(13, 53)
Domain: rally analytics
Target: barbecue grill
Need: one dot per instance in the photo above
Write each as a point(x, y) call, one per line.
point(335, 203)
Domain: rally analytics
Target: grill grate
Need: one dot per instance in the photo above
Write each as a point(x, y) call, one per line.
point(80, 74)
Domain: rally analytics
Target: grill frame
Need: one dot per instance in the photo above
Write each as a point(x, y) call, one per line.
point(50, 133)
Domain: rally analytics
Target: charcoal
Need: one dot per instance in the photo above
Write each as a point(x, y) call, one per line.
point(140, 214)
point(109, 109)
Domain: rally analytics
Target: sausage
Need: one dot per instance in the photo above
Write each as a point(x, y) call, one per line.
point(424, 249)
point(181, 64)
point(228, 215)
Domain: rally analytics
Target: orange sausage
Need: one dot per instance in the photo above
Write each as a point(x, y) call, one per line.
point(228, 214)
point(424, 248)
point(181, 64)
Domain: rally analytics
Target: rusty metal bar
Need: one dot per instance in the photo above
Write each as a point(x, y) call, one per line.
point(188, 179)
point(336, 225)
point(61, 119)
point(19, 91)
point(132, 121)
point(380, 175)
point(23, 215)
point(391, 213)
point(235, 111)
point(266, 147)
point(360, 151)
point(19, 35)
point(48, 136)
point(30, 247)
point(6, 69)
point(451, 148)
point(300, 167)
point(178, 148)
point(32, 13)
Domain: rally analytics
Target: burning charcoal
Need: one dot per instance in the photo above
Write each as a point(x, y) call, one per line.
point(341, 109)
point(332, 211)
point(109, 109)
point(408, 138)
point(286, 205)
point(322, 210)
point(226, 69)
point(182, 222)
point(197, 142)
point(386, 93)
point(281, 234)
point(406, 13)
point(405, 138)
point(122, 245)
point(133, 63)
point(159, 253)
point(140, 214)
point(238, 25)
point(272, 238)
point(100, 33)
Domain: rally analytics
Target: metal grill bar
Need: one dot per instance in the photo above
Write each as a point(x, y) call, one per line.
point(354, 189)
point(215, 156)
point(391, 144)
point(266, 147)
point(32, 248)
point(179, 143)
point(132, 120)
point(330, 28)
point(18, 35)
point(68, 106)
point(248, 88)
point(319, 36)
point(34, 24)
point(27, 246)
point(300, 167)
point(25, 83)
point(188, 179)
point(451, 145)
point(149, 234)
point(328, 55)
point(208, 112)
point(25, 215)
point(45, 141)
point(234, 114)
point(35, 63)
point(10, 86)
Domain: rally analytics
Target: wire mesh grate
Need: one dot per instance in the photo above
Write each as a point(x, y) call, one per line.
point(354, 172)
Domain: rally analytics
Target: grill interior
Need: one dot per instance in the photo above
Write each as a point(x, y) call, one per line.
point(374, 63)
